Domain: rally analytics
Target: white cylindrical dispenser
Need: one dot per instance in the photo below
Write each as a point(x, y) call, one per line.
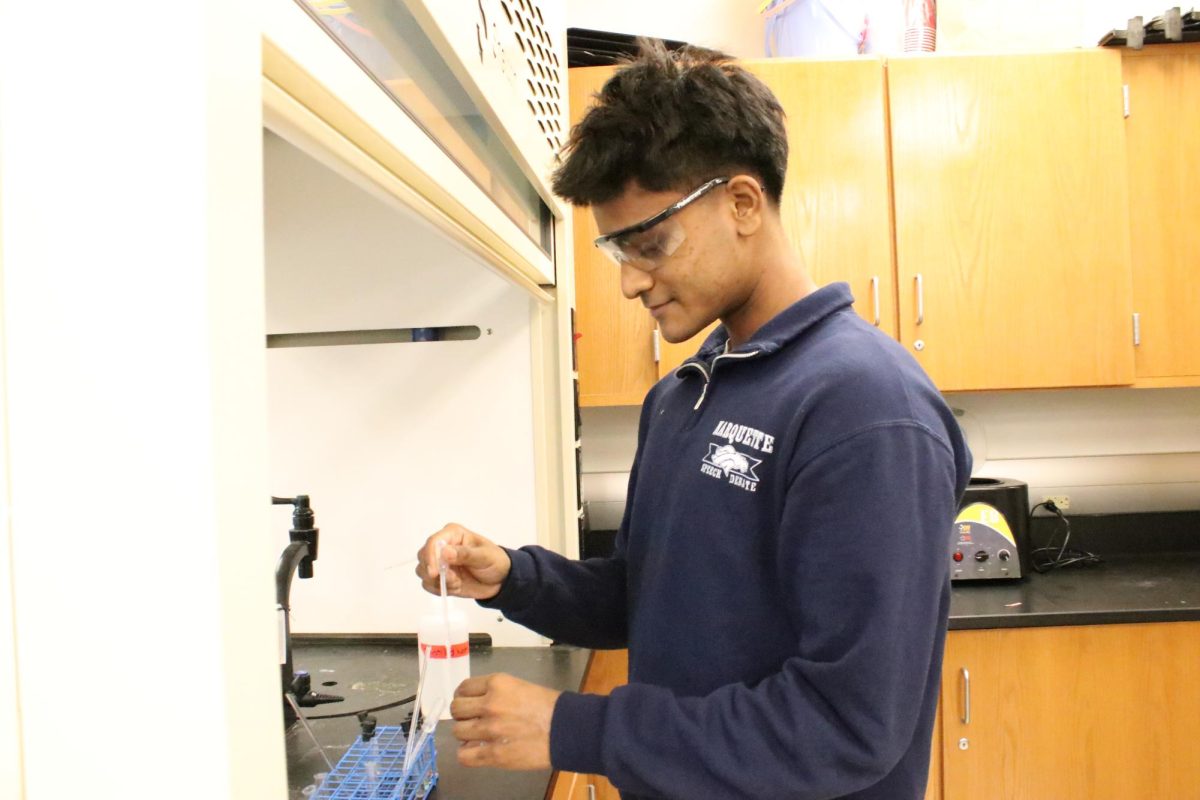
point(445, 655)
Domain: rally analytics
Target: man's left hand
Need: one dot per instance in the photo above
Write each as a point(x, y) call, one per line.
point(502, 721)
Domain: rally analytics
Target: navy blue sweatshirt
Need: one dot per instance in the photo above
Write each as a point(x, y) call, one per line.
point(781, 575)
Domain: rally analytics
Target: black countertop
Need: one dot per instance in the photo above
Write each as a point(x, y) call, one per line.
point(1157, 587)
point(1148, 587)
point(370, 674)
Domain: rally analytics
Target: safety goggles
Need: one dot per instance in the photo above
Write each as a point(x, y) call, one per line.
point(648, 243)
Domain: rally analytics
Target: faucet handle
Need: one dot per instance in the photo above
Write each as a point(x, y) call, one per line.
point(303, 529)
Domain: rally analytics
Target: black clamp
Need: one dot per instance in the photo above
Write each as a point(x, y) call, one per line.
point(367, 723)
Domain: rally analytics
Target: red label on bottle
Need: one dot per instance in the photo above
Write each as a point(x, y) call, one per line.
point(439, 650)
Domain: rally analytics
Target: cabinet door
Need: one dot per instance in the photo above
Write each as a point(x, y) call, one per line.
point(933, 789)
point(835, 210)
point(569, 786)
point(1011, 206)
point(1161, 131)
point(836, 204)
point(616, 336)
point(606, 670)
point(670, 356)
point(1101, 712)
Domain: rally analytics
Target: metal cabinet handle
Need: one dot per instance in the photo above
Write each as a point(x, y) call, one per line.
point(920, 299)
point(657, 347)
point(966, 718)
point(875, 297)
point(591, 792)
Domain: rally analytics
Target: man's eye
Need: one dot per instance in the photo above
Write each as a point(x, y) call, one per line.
point(651, 249)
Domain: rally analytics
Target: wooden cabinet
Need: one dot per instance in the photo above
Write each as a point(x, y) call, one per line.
point(985, 199)
point(1164, 171)
point(1011, 207)
point(1100, 712)
point(607, 669)
point(836, 205)
point(933, 789)
point(670, 356)
point(615, 348)
point(568, 786)
point(835, 209)
point(1094, 712)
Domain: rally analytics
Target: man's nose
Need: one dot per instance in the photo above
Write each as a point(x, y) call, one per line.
point(634, 281)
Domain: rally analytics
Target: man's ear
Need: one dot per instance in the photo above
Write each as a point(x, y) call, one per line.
point(749, 203)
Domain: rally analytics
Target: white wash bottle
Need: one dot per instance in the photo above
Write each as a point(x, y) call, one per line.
point(443, 672)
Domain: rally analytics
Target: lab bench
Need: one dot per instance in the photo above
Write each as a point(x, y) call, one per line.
point(371, 673)
point(1131, 588)
point(1124, 588)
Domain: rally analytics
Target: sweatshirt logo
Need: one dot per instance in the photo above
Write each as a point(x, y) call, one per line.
point(724, 461)
point(744, 434)
point(728, 463)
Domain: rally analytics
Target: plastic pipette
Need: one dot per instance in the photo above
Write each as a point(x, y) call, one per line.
point(449, 690)
point(432, 720)
point(292, 701)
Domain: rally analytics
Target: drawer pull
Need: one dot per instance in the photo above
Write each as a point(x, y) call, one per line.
point(875, 297)
point(920, 298)
point(966, 718)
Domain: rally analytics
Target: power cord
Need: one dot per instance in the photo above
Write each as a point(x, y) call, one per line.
point(1045, 559)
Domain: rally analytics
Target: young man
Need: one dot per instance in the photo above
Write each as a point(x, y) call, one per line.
point(781, 576)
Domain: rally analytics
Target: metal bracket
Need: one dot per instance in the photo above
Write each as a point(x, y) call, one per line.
point(1170, 24)
point(1133, 36)
point(1174, 26)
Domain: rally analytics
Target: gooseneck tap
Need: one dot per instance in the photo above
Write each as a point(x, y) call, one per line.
point(297, 557)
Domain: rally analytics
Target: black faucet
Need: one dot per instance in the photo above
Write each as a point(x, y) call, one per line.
point(298, 556)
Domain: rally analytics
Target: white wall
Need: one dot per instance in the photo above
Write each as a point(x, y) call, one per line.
point(1109, 450)
point(736, 27)
point(391, 441)
point(733, 26)
point(11, 767)
point(134, 402)
point(985, 25)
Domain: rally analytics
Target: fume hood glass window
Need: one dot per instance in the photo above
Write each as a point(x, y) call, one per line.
point(389, 44)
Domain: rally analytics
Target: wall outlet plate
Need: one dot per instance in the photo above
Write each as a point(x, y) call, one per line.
point(1061, 500)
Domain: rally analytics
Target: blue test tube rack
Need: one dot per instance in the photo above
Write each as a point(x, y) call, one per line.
point(374, 770)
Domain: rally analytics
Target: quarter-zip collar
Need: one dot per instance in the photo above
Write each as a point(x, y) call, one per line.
point(785, 327)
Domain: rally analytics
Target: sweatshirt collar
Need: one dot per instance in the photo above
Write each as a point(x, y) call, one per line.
point(785, 327)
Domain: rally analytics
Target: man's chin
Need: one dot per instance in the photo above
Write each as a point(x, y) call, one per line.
point(675, 333)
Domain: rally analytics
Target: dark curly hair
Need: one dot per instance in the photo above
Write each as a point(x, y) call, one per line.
point(671, 120)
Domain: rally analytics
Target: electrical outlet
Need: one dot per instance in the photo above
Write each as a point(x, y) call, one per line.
point(1061, 500)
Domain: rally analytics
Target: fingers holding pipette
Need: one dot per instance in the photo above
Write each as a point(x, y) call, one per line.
point(475, 567)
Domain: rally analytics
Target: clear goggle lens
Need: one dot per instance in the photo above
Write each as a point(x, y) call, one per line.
point(648, 249)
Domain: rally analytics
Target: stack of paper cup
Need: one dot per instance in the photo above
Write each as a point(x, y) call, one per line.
point(920, 26)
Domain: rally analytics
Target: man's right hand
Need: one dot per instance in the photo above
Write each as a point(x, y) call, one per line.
point(475, 567)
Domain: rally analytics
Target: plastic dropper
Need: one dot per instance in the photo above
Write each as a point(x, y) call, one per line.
point(449, 690)
point(427, 728)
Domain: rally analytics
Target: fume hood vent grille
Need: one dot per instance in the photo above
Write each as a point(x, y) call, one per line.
point(539, 66)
